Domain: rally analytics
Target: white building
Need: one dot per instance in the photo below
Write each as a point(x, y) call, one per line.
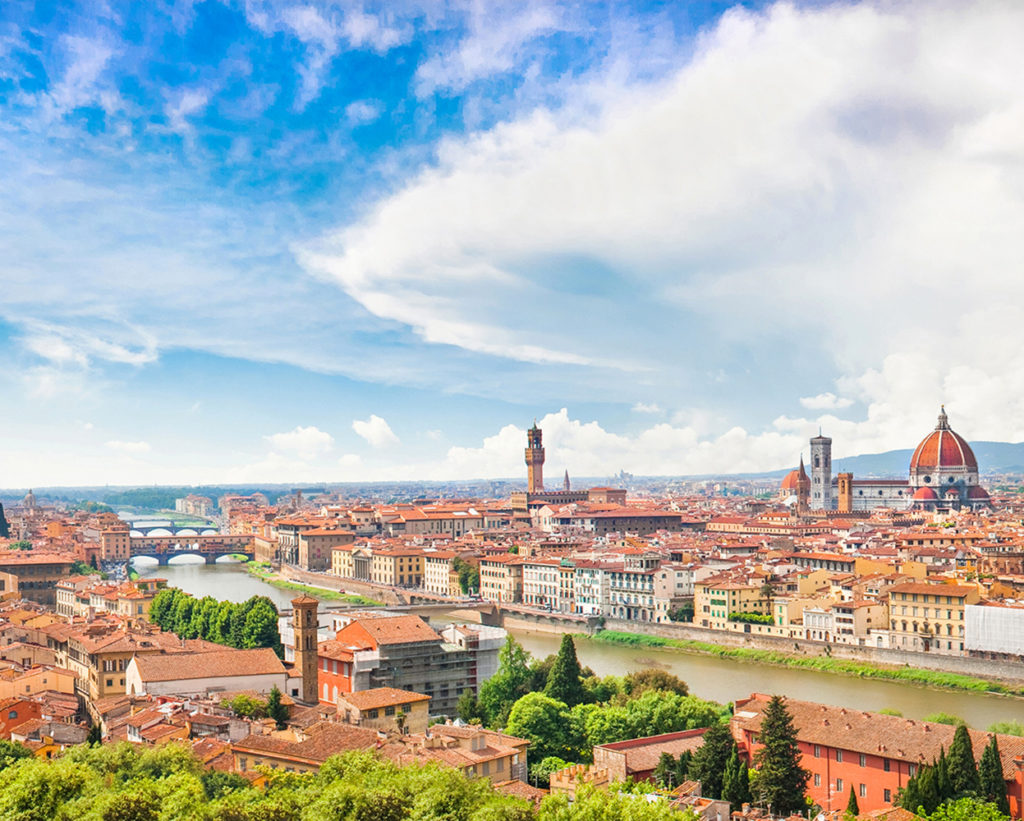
point(198, 674)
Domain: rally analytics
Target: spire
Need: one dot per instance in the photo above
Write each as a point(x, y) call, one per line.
point(943, 419)
point(565, 482)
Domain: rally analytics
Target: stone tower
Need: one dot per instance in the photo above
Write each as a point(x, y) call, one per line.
point(565, 482)
point(844, 492)
point(304, 624)
point(534, 460)
point(803, 489)
point(821, 473)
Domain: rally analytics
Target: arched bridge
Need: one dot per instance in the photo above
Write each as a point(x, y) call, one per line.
point(210, 547)
point(144, 527)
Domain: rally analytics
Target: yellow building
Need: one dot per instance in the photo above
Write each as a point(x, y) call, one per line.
point(929, 617)
point(715, 598)
point(385, 708)
point(398, 568)
point(501, 579)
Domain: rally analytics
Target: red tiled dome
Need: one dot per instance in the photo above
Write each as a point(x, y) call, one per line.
point(978, 492)
point(942, 448)
point(791, 481)
point(925, 494)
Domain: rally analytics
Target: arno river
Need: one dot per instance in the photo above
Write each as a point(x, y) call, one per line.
point(709, 677)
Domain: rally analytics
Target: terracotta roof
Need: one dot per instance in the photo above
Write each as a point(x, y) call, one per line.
point(391, 630)
point(382, 697)
point(183, 666)
point(642, 754)
point(315, 744)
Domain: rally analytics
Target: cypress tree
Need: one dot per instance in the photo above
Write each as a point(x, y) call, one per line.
point(564, 682)
point(665, 773)
point(990, 776)
point(736, 784)
point(963, 769)
point(710, 760)
point(928, 787)
point(852, 809)
point(942, 785)
point(683, 764)
point(910, 796)
point(782, 781)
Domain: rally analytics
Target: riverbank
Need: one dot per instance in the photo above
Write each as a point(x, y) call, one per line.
point(265, 573)
point(825, 664)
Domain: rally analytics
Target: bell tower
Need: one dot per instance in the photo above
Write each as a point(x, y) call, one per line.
point(534, 460)
point(844, 489)
point(821, 473)
point(304, 625)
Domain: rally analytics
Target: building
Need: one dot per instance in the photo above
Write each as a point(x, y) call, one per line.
point(397, 568)
point(821, 473)
point(403, 652)
point(637, 758)
point(994, 630)
point(305, 624)
point(387, 709)
point(199, 674)
point(501, 579)
point(929, 617)
point(535, 460)
point(37, 573)
point(874, 754)
point(315, 546)
point(440, 575)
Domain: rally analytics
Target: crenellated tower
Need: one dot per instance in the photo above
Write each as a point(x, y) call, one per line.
point(534, 459)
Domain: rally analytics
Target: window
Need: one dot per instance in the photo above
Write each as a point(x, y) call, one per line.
point(817, 779)
point(863, 790)
point(839, 785)
point(911, 769)
point(12, 714)
point(863, 760)
point(389, 711)
point(839, 755)
point(817, 751)
point(886, 765)
point(887, 796)
point(110, 682)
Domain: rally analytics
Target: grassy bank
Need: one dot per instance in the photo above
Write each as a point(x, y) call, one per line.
point(266, 574)
point(825, 664)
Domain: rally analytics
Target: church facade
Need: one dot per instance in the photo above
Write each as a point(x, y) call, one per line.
point(943, 475)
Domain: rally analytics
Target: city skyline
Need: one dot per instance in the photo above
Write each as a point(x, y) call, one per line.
point(288, 242)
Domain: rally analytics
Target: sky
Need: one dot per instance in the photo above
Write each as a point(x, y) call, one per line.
point(261, 241)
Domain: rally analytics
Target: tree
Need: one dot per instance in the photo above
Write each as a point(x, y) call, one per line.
point(963, 770)
point(275, 709)
point(163, 606)
point(500, 691)
point(781, 780)
point(261, 627)
point(944, 718)
point(1007, 728)
point(852, 808)
point(736, 781)
point(990, 777)
point(469, 576)
point(665, 772)
point(95, 736)
point(11, 751)
point(540, 773)
point(651, 678)
point(711, 759)
point(468, 708)
point(23, 544)
point(968, 809)
point(564, 682)
point(543, 721)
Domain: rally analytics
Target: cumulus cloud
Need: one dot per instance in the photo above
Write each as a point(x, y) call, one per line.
point(825, 401)
point(375, 430)
point(814, 179)
point(303, 442)
point(130, 448)
point(646, 407)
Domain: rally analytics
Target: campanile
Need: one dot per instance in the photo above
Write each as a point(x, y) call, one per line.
point(534, 460)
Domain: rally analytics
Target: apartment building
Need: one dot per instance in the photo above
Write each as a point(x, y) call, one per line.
point(397, 568)
point(501, 579)
point(929, 617)
point(541, 583)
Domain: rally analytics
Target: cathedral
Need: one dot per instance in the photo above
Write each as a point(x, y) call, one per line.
point(943, 475)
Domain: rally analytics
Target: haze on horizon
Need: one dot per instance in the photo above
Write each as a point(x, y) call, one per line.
point(280, 241)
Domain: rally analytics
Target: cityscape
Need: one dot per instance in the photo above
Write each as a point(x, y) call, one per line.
point(511, 410)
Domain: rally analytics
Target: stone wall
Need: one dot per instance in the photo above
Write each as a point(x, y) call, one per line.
point(876, 655)
point(325, 580)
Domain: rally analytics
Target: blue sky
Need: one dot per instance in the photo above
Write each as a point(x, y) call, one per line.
point(277, 241)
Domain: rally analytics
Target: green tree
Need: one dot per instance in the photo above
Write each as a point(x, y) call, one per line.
point(1007, 728)
point(95, 735)
point(543, 721)
point(469, 576)
point(597, 805)
point(163, 606)
point(217, 783)
point(990, 777)
point(143, 805)
point(963, 769)
point(181, 619)
point(968, 809)
point(261, 628)
point(665, 771)
point(23, 544)
point(500, 691)
point(540, 773)
point(782, 782)
point(275, 709)
point(736, 781)
point(468, 708)
point(910, 796)
point(852, 808)
point(944, 718)
point(711, 759)
point(651, 678)
point(565, 681)
point(220, 630)
point(11, 751)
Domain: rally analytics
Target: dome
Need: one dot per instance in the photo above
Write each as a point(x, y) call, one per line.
point(925, 494)
point(977, 492)
point(943, 449)
point(791, 481)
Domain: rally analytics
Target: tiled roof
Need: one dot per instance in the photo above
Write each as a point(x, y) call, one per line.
point(642, 754)
point(316, 744)
point(382, 697)
point(183, 666)
point(393, 630)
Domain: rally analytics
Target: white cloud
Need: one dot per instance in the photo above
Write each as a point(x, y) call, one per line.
point(303, 442)
point(362, 112)
point(130, 448)
point(825, 401)
point(813, 178)
point(646, 407)
point(185, 104)
point(375, 430)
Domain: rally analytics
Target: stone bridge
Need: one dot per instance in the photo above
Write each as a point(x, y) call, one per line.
point(144, 527)
point(210, 546)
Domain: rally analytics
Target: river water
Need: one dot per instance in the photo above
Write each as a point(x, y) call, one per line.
point(708, 676)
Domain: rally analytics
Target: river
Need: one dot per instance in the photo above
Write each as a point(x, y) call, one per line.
point(708, 676)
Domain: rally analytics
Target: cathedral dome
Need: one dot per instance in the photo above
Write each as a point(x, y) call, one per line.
point(925, 494)
point(943, 449)
point(978, 493)
point(791, 481)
